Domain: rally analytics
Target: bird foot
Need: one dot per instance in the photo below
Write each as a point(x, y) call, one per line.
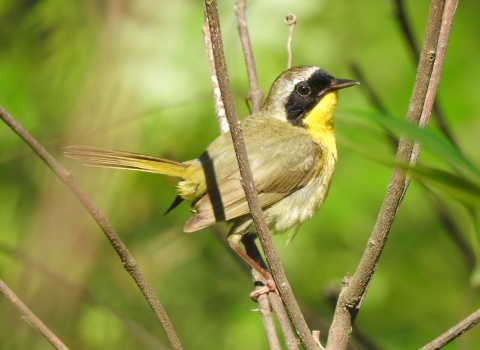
point(268, 287)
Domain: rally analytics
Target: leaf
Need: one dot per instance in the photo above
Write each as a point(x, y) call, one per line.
point(432, 141)
point(456, 186)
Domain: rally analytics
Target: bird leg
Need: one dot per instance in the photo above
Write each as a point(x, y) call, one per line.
point(234, 242)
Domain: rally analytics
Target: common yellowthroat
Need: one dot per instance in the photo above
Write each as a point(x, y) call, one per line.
point(292, 153)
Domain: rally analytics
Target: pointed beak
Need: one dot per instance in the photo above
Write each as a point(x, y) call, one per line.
point(338, 84)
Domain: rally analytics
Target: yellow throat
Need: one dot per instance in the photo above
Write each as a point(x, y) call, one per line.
point(319, 122)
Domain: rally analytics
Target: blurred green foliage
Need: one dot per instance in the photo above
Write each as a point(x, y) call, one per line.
point(133, 76)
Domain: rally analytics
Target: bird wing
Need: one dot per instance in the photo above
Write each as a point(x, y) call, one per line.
point(279, 168)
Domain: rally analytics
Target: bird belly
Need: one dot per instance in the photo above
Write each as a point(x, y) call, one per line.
point(290, 212)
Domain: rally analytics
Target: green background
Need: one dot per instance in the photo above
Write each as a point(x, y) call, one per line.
point(132, 75)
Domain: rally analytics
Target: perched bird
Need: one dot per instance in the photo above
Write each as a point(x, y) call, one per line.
point(291, 150)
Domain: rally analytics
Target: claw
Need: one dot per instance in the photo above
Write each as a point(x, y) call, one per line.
point(269, 286)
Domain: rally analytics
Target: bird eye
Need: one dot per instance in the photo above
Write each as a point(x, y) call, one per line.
point(303, 90)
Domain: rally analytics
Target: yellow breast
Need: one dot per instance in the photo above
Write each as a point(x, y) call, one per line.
point(319, 122)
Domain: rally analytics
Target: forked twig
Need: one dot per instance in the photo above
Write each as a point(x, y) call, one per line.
point(127, 259)
point(354, 289)
point(438, 57)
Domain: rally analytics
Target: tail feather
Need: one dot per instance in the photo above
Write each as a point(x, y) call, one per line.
point(125, 160)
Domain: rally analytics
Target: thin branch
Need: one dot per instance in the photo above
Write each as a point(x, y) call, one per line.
point(255, 94)
point(30, 317)
point(267, 317)
point(276, 304)
point(454, 332)
point(263, 300)
point(127, 259)
point(217, 96)
point(291, 342)
point(290, 20)
point(406, 29)
point(438, 57)
point(354, 289)
point(248, 185)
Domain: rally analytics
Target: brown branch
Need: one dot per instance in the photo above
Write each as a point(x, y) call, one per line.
point(438, 57)
point(248, 185)
point(276, 304)
point(255, 94)
point(127, 259)
point(267, 317)
point(290, 20)
point(406, 29)
point(291, 342)
point(30, 317)
point(354, 289)
point(454, 332)
point(264, 304)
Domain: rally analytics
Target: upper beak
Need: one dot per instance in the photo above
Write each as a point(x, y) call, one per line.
point(338, 84)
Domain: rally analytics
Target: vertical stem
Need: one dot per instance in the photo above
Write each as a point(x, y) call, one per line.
point(255, 94)
point(248, 185)
point(355, 288)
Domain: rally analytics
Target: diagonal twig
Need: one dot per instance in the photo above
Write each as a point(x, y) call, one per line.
point(454, 332)
point(354, 289)
point(247, 182)
point(127, 259)
point(31, 318)
point(255, 94)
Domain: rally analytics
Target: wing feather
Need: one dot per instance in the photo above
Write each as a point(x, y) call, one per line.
point(279, 168)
